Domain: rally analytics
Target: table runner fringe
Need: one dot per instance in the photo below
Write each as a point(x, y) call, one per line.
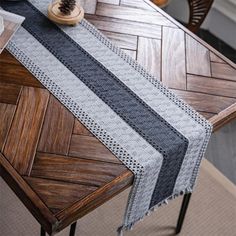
point(121, 229)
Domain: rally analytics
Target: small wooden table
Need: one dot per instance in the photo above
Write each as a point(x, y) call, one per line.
point(58, 169)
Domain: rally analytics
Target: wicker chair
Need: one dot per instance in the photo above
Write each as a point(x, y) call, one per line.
point(198, 12)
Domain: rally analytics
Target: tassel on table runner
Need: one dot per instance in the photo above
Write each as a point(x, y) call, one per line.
point(155, 134)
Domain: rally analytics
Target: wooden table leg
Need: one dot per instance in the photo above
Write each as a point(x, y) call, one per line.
point(182, 213)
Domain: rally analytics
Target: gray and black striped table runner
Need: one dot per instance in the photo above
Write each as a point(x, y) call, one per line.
point(156, 135)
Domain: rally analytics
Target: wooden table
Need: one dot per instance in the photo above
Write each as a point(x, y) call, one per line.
point(58, 169)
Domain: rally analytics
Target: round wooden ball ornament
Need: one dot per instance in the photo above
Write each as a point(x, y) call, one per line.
point(66, 12)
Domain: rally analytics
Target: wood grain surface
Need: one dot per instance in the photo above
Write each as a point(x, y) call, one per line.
point(80, 129)
point(58, 169)
point(79, 148)
point(25, 129)
point(6, 116)
point(194, 52)
point(50, 192)
point(149, 55)
point(125, 26)
point(173, 64)
point(223, 71)
point(75, 170)
point(9, 93)
point(57, 129)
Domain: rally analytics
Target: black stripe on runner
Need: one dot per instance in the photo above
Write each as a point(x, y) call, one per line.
point(142, 118)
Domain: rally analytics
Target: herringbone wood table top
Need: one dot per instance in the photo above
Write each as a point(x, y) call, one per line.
point(56, 167)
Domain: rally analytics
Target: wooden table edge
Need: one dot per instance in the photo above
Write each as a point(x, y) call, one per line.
point(81, 208)
point(224, 117)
